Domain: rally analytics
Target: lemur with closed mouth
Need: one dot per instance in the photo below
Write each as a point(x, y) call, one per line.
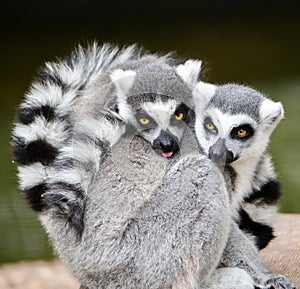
point(235, 132)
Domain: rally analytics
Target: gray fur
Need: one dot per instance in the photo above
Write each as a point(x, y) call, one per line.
point(166, 232)
point(136, 238)
point(65, 88)
point(248, 172)
point(161, 80)
point(237, 99)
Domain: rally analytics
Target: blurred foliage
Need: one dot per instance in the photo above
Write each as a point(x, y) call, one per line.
point(248, 42)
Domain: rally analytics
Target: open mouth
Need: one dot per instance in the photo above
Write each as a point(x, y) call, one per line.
point(167, 154)
point(166, 145)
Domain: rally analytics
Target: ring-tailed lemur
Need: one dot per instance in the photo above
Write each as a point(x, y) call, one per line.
point(58, 183)
point(47, 117)
point(236, 131)
point(112, 230)
point(247, 259)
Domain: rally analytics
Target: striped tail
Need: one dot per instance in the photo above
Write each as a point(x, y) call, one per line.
point(45, 143)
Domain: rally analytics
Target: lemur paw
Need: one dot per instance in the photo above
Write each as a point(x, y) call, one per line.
point(230, 278)
point(276, 281)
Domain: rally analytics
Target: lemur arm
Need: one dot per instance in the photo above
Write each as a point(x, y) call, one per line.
point(176, 234)
point(241, 252)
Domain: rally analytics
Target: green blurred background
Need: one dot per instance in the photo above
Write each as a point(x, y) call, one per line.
point(250, 42)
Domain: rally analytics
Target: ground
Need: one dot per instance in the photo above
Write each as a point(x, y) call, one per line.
point(281, 256)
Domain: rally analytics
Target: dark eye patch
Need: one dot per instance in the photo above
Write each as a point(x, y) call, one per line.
point(207, 124)
point(242, 132)
point(184, 109)
point(142, 114)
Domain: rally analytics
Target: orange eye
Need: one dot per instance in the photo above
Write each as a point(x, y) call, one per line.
point(144, 121)
point(179, 116)
point(242, 132)
point(210, 126)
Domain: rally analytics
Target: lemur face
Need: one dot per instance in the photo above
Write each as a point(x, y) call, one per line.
point(152, 101)
point(227, 138)
point(235, 124)
point(161, 123)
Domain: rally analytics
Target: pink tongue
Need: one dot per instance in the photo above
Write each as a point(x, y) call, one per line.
point(167, 154)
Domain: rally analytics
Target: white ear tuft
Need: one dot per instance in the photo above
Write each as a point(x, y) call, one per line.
point(123, 80)
point(202, 94)
point(189, 71)
point(271, 112)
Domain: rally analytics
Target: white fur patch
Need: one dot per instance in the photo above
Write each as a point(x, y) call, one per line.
point(68, 175)
point(264, 214)
point(43, 95)
point(53, 132)
point(32, 175)
point(230, 278)
point(161, 111)
point(271, 111)
point(189, 71)
point(264, 173)
point(202, 94)
point(123, 80)
point(100, 128)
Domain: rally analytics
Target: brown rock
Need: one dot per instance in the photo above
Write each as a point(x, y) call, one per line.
point(37, 275)
point(282, 255)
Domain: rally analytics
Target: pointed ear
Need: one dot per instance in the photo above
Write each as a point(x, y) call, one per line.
point(271, 113)
point(189, 71)
point(123, 80)
point(202, 94)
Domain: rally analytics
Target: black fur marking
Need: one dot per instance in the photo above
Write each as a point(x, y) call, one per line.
point(71, 210)
point(76, 218)
point(65, 163)
point(269, 193)
point(262, 233)
point(46, 76)
point(102, 144)
point(82, 86)
point(207, 121)
point(33, 196)
point(190, 120)
point(26, 115)
point(231, 176)
point(62, 186)
point(245, 127)
point(35, 151)
point(182, 108)
point(112, 118)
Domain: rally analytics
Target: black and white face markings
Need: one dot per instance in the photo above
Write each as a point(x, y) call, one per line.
point(151, 97)
point(236, 121)
point(162, 123)
point(226, 138)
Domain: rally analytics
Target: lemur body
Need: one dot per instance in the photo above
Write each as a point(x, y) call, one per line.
point(137, 230)
point(47, 118)
point(255, 190)
point(66, 147)
point(134, 234)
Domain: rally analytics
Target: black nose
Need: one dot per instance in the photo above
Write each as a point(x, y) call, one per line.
point(166, 143)
point(219, 153)
point(229, 157)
